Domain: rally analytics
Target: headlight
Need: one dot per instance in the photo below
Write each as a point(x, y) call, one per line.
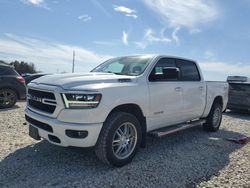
point(81, 101)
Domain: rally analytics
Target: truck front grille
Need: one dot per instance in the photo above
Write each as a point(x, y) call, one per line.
point(42, 100)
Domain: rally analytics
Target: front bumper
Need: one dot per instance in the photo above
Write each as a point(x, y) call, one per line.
point(59, 130)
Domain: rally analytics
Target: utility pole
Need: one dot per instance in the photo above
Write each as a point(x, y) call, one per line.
point(73, 65)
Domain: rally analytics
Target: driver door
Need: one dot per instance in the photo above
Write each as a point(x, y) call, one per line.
point(165, 96)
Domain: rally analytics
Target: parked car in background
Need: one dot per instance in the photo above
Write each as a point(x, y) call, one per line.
point(113, 107)
point(29, 77)
point(12, 86)
point(239, 93)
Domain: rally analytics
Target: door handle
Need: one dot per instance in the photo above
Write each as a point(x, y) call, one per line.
point(178, 89)
point(201, 87)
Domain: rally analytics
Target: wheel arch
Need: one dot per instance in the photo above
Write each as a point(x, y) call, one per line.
point(218, 100)
point(209, 125)
point(135, 110)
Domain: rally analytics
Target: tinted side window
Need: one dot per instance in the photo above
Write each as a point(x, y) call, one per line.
point(157, 73)
point(7, 71)
point(188, 69)
point(162, 63)
point(11, 72)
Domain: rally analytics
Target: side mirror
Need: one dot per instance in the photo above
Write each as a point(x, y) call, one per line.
point(168, 74)
point(171, 73)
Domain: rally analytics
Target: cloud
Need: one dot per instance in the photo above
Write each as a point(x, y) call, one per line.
point(189, 13)
point(36, 3)
point(175, 36)
point(229, 69)
point(131, 15)
point(125, 38)
point(151, 37)
point(84, 17)
point(48, 56)
point(125, 10)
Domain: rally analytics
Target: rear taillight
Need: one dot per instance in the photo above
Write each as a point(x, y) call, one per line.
point(20, 79)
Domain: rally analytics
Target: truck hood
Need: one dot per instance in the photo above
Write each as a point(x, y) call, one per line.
point(82, 80)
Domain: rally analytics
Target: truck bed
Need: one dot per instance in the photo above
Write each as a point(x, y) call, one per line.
point(215, 88)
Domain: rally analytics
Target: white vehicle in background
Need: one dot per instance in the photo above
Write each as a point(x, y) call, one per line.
point(117, 104)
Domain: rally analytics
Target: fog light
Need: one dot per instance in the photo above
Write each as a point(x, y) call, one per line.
point(76, 134)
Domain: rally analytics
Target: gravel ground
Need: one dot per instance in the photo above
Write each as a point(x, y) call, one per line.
point(191, 158)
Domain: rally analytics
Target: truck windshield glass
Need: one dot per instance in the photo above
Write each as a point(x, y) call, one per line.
point(132, 66)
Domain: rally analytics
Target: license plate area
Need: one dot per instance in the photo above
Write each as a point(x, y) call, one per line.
point(33, 132)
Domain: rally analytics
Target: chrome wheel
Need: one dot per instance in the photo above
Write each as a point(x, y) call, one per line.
point(216, 118)
point(124, 140)
point(7, 98)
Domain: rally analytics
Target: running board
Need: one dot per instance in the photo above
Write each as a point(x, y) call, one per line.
point(175, 128)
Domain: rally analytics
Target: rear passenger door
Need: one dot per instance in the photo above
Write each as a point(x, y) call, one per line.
point(193, 90)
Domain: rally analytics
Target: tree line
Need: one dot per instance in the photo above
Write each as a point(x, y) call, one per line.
point(22, 67)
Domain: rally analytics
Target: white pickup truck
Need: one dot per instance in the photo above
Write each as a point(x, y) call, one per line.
point(118, 103)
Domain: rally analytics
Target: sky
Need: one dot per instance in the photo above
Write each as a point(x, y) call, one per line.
point(46, 32)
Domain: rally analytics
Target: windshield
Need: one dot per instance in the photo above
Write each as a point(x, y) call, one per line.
point(132, 66)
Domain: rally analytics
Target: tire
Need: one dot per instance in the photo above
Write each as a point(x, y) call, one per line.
point(8, 98)
point(214, 118)
point(110, 139)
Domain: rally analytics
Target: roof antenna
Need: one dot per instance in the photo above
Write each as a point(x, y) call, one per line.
point(73, 65)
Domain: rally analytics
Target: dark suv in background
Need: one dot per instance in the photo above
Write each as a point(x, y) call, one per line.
point(239, 93)
point(12, 86)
